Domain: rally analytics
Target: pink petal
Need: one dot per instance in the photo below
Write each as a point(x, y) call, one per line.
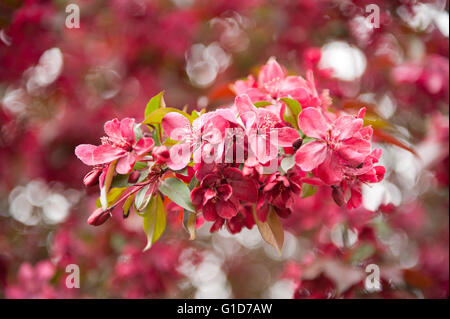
point(331, 170)
point(217, 225)
point(270, 73)
point(256, 95)
point(112, 129)
point(262, 147)
point(361, 113)
point(232, 173)
point(214, 130)
point(354, 150)
point(85, 152)
point(144, 145)
point(210, 180)
point(209, 194)
point(126, 163)
point(262, 210)
point(176, 126)
point(287, 136)
point(345, 127)
point(127, 129)
point(244, 104)
point(365, 133)
point(246, 110)
point(107, 153)
point(209, 212)
point(240, 86)
point(295, 87)
point(356, 198)
point(197, 195)
point(225, 209)
point(269, 186)
point(225, 191)
point(180, 156)
point(313, 123)
point(245, 189)
point(311, 155)
point(379, 171)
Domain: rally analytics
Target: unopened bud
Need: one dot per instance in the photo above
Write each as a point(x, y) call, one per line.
point(91, 178)
point(98, 217)
point(297, 143)
point(134, 177)
point(338, 196)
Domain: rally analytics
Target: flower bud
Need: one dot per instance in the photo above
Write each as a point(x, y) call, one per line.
point(297, 143)
point(133, 177)
point(338, 196)
point(98, 217)
point(91, 178)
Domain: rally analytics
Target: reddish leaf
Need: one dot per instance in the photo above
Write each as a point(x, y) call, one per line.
point(271, 230)
point(386, 137)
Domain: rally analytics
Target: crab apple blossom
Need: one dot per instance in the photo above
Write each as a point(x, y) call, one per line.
point(265, 130)
point(279, 191)
point(214, 136)
point(120, 144)
point(219, 194)
point(338, 143)
point(235, 165)
point(273, 83)
point(207, 131)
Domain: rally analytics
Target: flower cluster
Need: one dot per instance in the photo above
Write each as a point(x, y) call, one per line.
point(242, 164)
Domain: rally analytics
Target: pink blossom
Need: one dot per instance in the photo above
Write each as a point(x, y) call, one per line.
point(273, 83)
point(353, 179)
point(205, 136)
point(260, 125)
point(120, 144)
point(338, 143)
point(33, 282)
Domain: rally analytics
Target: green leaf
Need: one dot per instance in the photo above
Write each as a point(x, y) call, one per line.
point(262, 103)
point(120, 180)
point(157, 115)
point(193, 183)
point(195, 114)
point(143, 175)
point(287, 163)
point(308, 190)
point(139, 165)
point(307, 139)
point(138, 132)
point(126, 206)
point(156, 133)
point(178, 192)
point(141, 199)
point(112, 197)
point(293, 105)
point(293, 110)
point(154, 221)
point(170, 142)
point(155, 103)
